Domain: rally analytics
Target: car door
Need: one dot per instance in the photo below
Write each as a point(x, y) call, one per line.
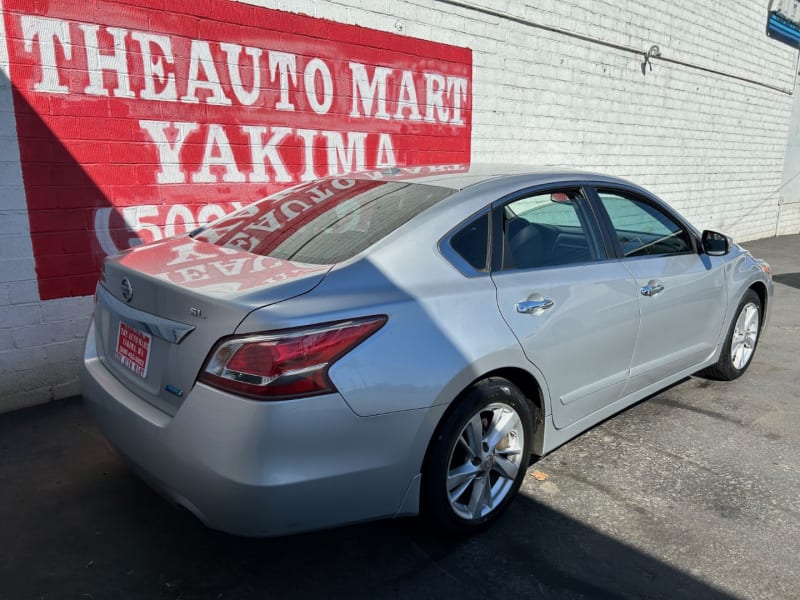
point(574, 311)
point(682, 294)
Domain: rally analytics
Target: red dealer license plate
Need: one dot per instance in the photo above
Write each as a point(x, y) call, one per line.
point(133, 348)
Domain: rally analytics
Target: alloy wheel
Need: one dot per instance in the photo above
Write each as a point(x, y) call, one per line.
point(745, 335)
point(484, 461)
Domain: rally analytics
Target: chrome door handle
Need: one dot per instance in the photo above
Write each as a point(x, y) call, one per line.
point(652, 288)
point(528, 307)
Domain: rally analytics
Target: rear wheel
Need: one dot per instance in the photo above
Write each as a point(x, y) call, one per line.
point(478, 457)
point(740, 344)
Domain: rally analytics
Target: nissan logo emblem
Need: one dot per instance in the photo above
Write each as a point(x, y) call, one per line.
point(127, 289)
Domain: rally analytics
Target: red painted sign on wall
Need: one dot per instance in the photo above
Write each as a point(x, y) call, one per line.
point(138, 121)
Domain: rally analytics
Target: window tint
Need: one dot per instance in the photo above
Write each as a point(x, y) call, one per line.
point(323, 222)
point(546, 230)
point(548, 212)
point(643, 229)
point(472, 242)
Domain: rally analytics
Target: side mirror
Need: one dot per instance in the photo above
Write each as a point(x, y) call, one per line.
point(715, 244)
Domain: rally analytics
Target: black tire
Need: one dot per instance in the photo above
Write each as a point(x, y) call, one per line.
point(491, 402)
point(729, 367)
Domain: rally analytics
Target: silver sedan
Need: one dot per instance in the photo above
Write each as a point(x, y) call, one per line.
point(402, 342)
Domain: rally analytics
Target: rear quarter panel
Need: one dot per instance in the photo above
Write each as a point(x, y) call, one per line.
point(444, 328)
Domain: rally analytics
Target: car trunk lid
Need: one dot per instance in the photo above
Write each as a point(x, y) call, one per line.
point(161, 308)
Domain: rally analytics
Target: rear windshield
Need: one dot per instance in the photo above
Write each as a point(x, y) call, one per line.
point(324, 222)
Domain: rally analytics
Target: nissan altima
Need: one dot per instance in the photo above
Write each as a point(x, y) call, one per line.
point(403, 342)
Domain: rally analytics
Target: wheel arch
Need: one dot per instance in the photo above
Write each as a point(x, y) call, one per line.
point(483, 388)
point(528, 385)
point(525, 381)
point(761, 291)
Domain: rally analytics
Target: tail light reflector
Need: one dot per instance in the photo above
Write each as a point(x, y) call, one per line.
point(285, 364)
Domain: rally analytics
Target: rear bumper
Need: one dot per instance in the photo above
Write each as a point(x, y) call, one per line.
point(264, 468)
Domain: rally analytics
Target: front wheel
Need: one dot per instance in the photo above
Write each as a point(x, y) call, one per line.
point(478, 457)
point(740, 344)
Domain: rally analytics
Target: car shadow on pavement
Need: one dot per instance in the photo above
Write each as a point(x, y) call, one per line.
point(790, 279)
point(79, 524)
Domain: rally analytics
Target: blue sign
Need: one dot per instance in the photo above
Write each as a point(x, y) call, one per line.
point(783, 30)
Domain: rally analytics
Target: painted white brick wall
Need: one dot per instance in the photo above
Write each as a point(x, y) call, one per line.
point(710, 143)
point(40, 342)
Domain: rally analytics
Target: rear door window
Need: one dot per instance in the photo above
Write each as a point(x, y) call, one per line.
point(325, 222)
point(549, 229)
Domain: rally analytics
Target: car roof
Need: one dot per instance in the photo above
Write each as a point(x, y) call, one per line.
point(459, 177)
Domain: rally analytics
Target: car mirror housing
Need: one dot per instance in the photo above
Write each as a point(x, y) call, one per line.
point(715, 244)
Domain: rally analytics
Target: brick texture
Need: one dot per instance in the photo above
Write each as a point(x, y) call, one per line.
point(711, 144)
point(704, 126)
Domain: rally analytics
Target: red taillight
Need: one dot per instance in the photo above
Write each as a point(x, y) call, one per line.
point(285, 364)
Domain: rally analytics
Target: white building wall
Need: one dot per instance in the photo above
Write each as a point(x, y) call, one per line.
point(40, 342)
point(705, 127)
point(554, 83)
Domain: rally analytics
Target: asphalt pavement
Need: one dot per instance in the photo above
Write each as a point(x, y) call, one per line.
point(694, 493)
